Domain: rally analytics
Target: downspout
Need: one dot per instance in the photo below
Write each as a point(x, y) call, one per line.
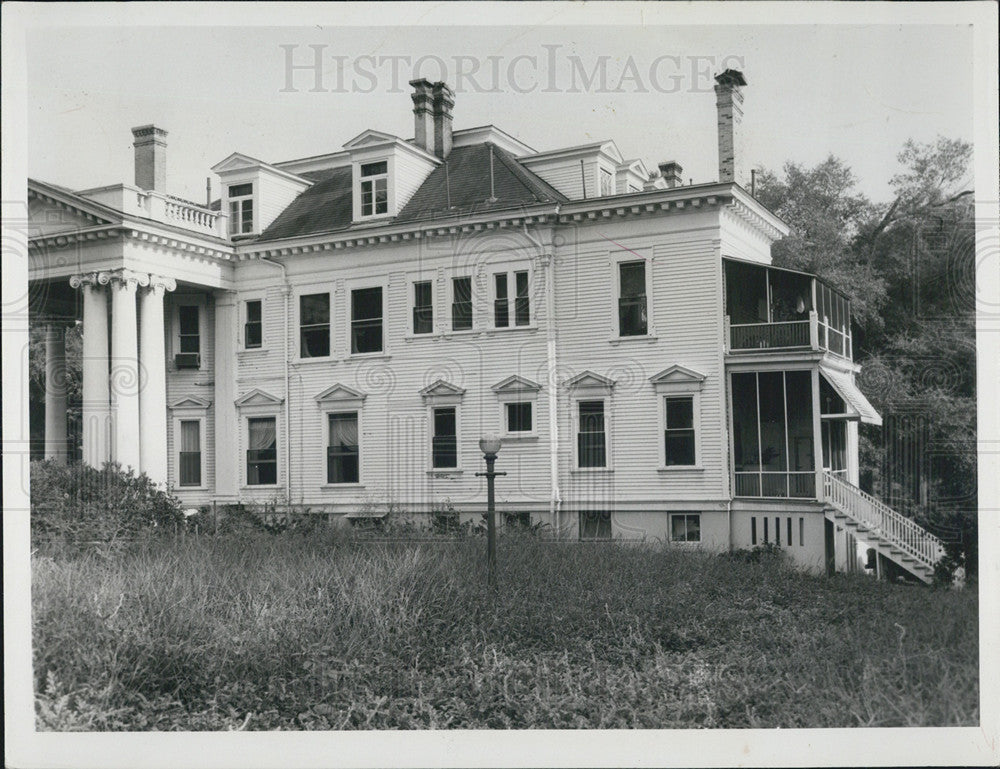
point(287, 374)
point(555, 500)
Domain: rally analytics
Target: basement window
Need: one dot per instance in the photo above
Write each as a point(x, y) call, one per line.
point(685, 527)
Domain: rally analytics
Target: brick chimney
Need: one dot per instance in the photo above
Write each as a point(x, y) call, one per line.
point(444, 101)
point(423, 114)
point(729, 105)
point(670, 171)
point(150, 158)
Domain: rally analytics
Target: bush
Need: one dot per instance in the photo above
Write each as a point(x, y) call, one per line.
point(77, 503)
point(769, 552)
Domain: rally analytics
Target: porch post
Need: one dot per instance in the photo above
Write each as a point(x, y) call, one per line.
point(55, 393)
point(817, 436)
point(95, 392)
point(125, 367)
point(152, 368)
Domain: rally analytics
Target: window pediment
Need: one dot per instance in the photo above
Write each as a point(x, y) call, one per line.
point(258, 397)
point(341, 396)
point(588, 380)
point(442, 392)
point(678, 378)
point(515, 384)
point(190, 403)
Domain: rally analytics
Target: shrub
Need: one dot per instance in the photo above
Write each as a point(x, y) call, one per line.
point(78, 503)
point(769, 552)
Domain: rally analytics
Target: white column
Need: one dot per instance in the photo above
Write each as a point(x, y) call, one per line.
point(95, 392)
point(153, 380)
point(226, 451)
point(125, 368)
point(55, 393)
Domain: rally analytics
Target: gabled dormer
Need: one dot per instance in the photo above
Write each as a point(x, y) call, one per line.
point(585, 171)
point(385, 172)
point(255, 192)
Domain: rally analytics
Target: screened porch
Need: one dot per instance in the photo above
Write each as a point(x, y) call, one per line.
point(779, 309)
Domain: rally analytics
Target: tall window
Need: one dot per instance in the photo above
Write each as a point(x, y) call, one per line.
point(461, 304)
point(595, 524)
point(366, 320)
point(374, 188)
point(253, 324)
point(240, 209)
point(262, 451)
point(685, 527)
point(444, 448)
point(190, 454)
point(607, 183)
point(342, 459)
point(679, 431)
point(591, 439)
point(501, 301)
point(314, 325)
point(423, 307)
point(188, 332)
point(632, 299)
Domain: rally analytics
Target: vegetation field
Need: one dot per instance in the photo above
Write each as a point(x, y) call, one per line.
point(333, 632)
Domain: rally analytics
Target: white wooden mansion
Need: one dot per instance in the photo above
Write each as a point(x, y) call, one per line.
point(339, 331)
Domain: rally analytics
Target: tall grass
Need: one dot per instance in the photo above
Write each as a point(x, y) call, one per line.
point(328, 633)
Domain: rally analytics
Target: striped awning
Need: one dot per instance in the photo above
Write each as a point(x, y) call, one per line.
point(857, 405)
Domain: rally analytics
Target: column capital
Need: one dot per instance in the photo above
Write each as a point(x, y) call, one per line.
point(86, 279)
point(125, 278)
point(159, 284)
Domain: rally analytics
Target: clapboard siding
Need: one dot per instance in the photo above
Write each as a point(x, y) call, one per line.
point(410, 173)
point(682, 251)
point(274, 195)
point(195, 383)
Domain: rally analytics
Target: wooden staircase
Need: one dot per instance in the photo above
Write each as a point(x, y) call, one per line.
point(880, 527)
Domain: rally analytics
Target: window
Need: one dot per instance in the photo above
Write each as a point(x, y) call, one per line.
point(632, 318)
point(607, 183)
point(518, 417)
point(753, 531)
point(342, 457)
point(423, 307)
point(461, 304)
point(240, 209)
point(374, 188)
point(595, 524)
point(253, 324)
point(314, 325)
point(501, 300)
point(685, 527)
point(189, 473)
point(262, 451)
point(366, 320)
point(591, 444)
point(187, 324)
point(678, 432)
point(444, 444)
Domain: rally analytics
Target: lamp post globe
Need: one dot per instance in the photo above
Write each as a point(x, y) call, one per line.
point(490, 444)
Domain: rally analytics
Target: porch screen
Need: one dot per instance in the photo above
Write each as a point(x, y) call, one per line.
point(773, 434)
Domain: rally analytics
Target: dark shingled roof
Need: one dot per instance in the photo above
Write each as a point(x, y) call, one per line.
point(466, 181)
point(327, 205)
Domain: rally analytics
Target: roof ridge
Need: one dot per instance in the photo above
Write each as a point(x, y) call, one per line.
point(538, 187)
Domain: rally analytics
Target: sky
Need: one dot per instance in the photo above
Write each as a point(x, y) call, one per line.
point(856, 91)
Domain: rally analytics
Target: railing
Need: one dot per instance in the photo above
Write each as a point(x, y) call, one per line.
point(180, 213)
point(784, 484)
point(749, 336)
point(813, 334)
point(901, 532)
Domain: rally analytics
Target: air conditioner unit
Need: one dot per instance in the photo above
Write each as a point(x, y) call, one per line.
point(187, 360)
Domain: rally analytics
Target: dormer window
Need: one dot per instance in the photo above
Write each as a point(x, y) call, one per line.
point(240, 209)
point(374, 188)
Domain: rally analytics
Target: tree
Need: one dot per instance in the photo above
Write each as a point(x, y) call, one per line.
point(908, 267)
